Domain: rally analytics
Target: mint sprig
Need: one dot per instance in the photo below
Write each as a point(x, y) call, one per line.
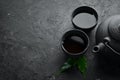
point(79, 62)
point(82, 65)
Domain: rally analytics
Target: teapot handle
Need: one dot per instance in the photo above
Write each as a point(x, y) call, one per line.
point(106, 42)
point(103, 44)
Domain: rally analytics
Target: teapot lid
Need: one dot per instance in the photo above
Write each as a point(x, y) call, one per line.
point(114, 27)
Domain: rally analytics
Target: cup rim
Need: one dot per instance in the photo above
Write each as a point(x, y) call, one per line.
point(84, 9)
point(75, 54)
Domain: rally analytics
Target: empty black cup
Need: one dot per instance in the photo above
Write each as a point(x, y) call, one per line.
point(75, 42)
point(84, 17)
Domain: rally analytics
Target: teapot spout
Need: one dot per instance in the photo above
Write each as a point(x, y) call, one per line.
point(98, 48)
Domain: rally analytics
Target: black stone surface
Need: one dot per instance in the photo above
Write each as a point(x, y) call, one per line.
point(30, 35)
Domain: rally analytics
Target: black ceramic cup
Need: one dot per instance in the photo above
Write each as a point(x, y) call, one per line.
point(75, 42)
point(84, 17)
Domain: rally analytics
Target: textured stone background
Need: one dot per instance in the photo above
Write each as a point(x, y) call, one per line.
point(30, 34)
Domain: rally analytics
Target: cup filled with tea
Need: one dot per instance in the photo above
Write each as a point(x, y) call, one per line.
point(75, 42)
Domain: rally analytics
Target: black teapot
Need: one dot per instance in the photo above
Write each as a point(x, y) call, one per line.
point(108, 39)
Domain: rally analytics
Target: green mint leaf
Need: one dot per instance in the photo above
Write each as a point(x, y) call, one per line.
point(67, 65)
point(82, 64)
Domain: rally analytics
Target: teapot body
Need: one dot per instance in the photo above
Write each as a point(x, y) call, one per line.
point(110, 53)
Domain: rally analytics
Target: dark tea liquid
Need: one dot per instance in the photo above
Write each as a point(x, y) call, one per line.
point(73, 46)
